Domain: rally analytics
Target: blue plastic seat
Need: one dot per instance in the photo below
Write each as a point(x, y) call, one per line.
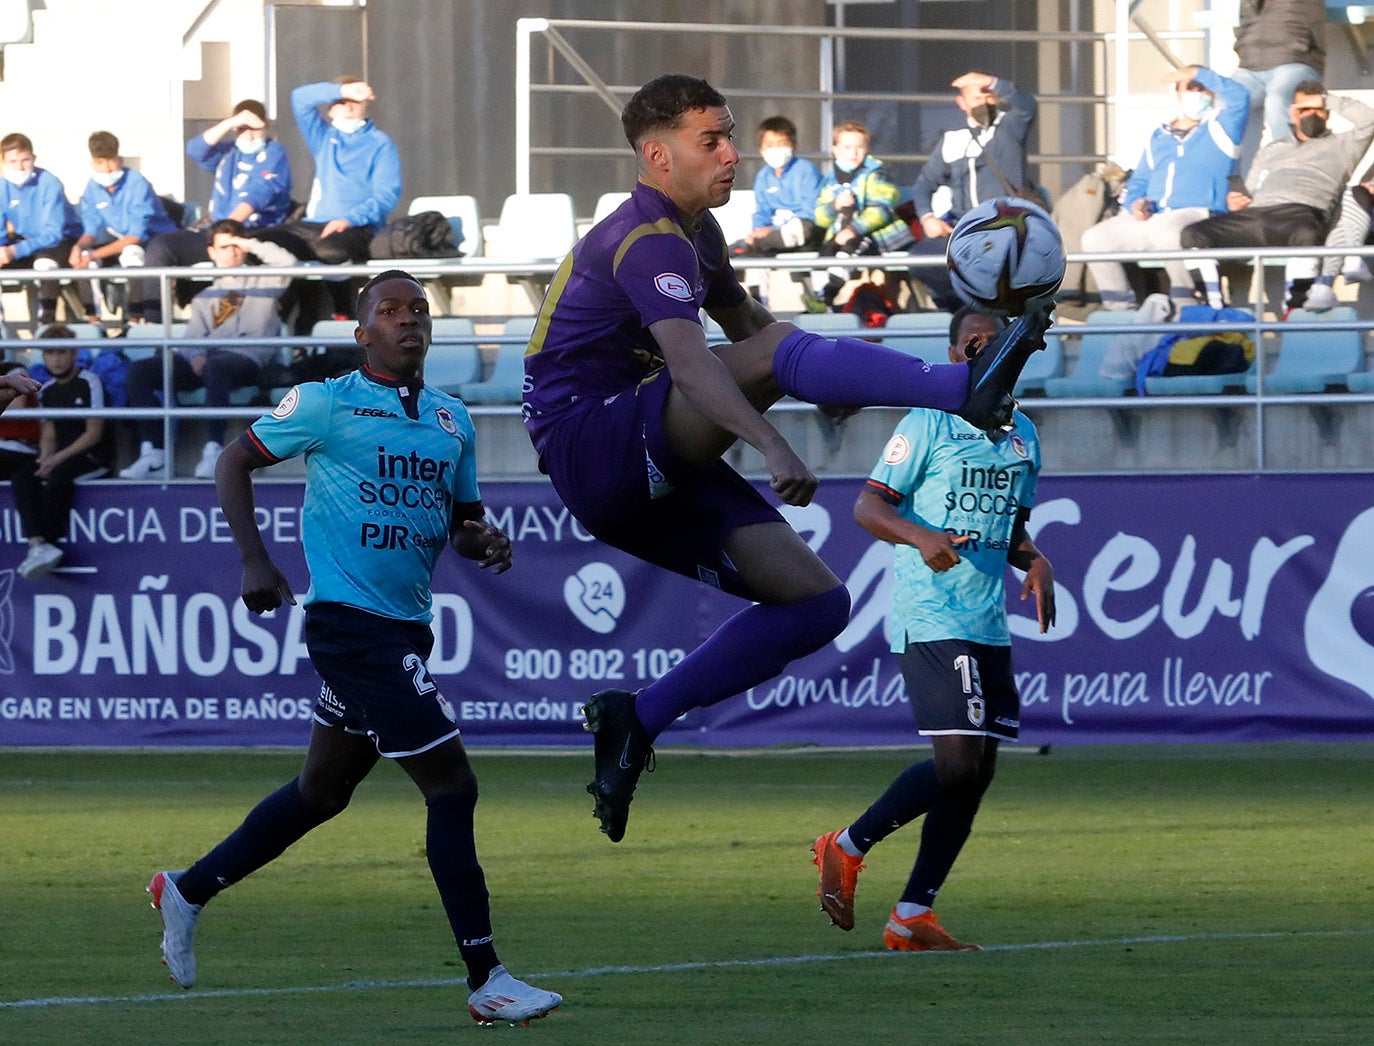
point(1313, 361)
point(1041, 367)
point(921, 334)
point(506, 381)
point(827, 322)
point(1085, 381)
point(453, 359)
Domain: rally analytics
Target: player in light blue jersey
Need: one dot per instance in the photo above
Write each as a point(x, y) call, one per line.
point(390, 480)
point(954, 501)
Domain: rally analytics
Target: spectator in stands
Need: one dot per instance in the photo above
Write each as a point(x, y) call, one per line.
point(252, 187)
point(1180, 179)
point(1280, 44)
point(237, 305)
point(1352, 229)
point(119, 214)
point(39, 225)
point(357, 176)
point(983, 159)
point(1294, 187)
point(857, 208)
point(785, 192)
point(68, 449)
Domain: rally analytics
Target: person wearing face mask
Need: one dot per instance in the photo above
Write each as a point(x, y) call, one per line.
point(120, 212)
point(252, 187)
point(1179, 179)
point(857, 208)
point(982, 159)
point(785, 193)
point(1291, 192)
point(40, 225)
point(357, 176)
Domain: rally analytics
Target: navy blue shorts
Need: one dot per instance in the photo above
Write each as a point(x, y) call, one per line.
point(613, 468)
point(375, 681)
point(959, 687)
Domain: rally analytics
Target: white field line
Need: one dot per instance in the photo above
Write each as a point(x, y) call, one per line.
point(676, 967)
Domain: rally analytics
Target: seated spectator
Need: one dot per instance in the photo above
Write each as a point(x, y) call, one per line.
point(1180, 179)
point(1293, 190)
point(67, 450)
point(1351, 229)
point(983, 159)
point(785, 192)
point(856, 208)
point(39, 225)
point(1280, 44)
point(239, 305)
point(119, 214)
point(252, 187)
point(357, 177)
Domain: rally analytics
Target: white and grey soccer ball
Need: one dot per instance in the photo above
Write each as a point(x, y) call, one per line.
point(1004, 254)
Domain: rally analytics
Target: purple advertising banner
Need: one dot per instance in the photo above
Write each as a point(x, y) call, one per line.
point(1195, 608)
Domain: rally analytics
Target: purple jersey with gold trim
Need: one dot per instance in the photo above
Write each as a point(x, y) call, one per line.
point(639, 265)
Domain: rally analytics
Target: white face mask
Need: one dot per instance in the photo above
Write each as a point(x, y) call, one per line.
point(778, 156)
point(109, 178)
point(17, 177)
point(345, 124)
point(1194, 104)
point(248, 145)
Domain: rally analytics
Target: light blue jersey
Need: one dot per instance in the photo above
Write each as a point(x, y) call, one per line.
point(385, 464)
point(944, 474)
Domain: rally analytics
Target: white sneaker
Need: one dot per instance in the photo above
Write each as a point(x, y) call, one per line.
point(1320, 297)
point(41, 558)
point(505, 999)
point(178, 927)
point(151, 462)
point(205, 468)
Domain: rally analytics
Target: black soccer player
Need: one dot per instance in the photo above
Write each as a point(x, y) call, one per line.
point(367, 629)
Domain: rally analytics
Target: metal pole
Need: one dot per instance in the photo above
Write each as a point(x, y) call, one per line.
point(525, 28)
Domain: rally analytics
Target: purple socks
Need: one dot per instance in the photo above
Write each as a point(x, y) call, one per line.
point(850, 372)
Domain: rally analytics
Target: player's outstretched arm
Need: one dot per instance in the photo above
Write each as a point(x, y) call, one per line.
point(15, 384)
point(747, 318)
point(264, 587)
point(472, 537)
point(881, 519)
point(1039, 580)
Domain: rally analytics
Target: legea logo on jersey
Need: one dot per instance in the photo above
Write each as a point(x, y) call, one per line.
point(6, 622)
point(446, 421)
point(671, 285)
point(596, 596)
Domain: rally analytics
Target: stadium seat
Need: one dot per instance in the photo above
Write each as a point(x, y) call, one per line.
point(1313, 361)
point(921, 334)
point(828, 322)
point(606, 203)
point(1041, 367)
point(507, 378)
point(453, 358)
point(1085, 380)
point(462, 214)
point(534, 227)
point(736, 216)
point(1362, 381)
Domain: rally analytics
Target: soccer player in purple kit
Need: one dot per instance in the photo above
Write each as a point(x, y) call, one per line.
point(630, 413)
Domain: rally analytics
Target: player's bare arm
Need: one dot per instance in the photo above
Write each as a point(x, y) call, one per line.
point(472, 537)
point(264, 587)
point(708, 386)
point(881, 519)
point(1039, 580)
point(15, 384)
point(740, 321)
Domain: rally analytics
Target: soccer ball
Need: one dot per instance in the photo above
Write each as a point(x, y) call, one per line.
point(1004, 254)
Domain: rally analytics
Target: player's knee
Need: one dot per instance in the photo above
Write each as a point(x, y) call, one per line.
point(325, 799)
point(831, 610)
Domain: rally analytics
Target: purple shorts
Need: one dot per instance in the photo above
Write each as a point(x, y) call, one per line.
point(611, 464)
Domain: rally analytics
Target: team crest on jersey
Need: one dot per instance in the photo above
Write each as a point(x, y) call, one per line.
point(446, 421)
point(896, 451)
point(446, 708)
point(671, 285)
point(977, 711)
point(288, 403)
point(1019, 445)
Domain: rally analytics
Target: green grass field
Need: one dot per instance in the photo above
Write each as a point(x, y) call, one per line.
point(1198, 894)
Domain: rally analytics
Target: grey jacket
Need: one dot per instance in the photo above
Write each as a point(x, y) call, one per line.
point(1313, 172)
point(242, 305)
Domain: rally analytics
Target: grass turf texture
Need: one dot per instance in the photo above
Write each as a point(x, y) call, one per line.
point(1258, 856)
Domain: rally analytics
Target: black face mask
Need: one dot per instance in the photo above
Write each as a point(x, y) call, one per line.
point(1312, 125)
point(983, 115)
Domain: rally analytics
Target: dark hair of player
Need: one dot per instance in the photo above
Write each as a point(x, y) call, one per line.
point(660, 105)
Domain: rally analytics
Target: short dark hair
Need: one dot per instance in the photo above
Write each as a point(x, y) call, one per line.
point(779, 125)
point(231, 226)
point(961, 314)
point(252, 105)
point(57, 330)
point(390, 274)
point(662, 103)
point(1311, 87)
point(103, 146)
point(15, 140)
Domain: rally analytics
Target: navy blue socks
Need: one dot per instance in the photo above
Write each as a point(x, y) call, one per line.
point(452, 853)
